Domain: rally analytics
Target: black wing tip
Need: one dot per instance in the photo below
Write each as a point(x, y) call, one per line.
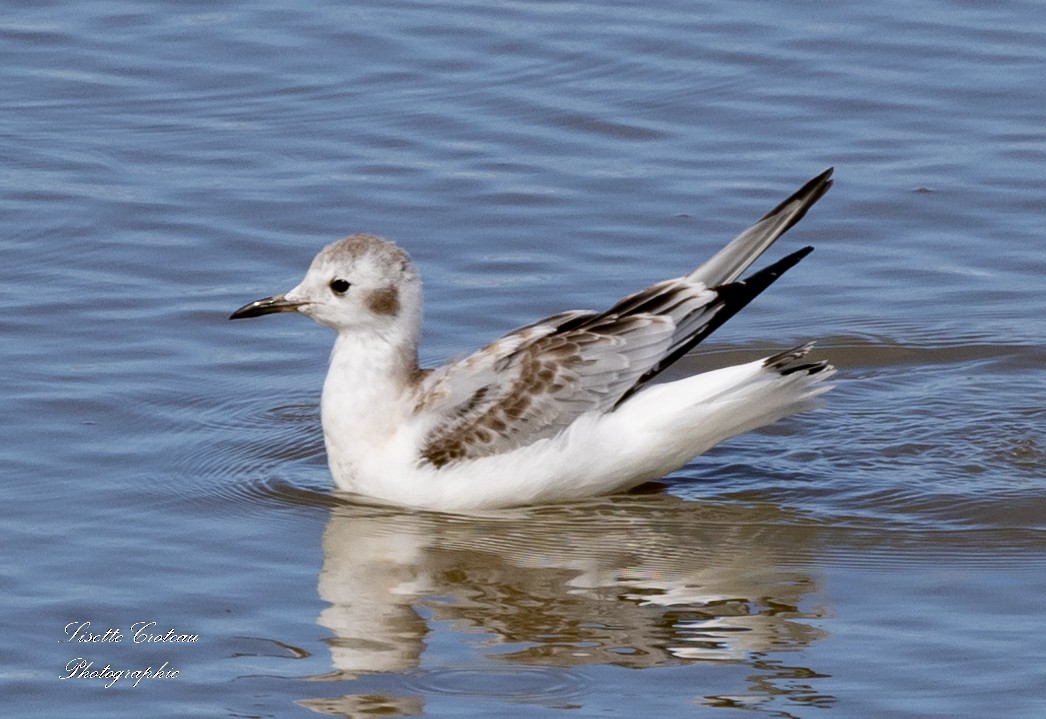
point(750, 287)
point(787, 262)
point(732, 297)
point(807, 195)
point(792, 361)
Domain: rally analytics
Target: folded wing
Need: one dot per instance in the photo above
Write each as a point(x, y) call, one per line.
point(537, 380)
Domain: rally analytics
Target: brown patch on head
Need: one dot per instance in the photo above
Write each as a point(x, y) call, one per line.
point(385, 301)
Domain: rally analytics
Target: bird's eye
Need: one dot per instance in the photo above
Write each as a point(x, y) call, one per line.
point(339, 287)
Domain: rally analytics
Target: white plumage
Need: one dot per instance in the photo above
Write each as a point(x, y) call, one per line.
point(561, 409)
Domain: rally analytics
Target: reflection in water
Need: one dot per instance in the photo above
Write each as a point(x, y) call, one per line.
point(633, 582)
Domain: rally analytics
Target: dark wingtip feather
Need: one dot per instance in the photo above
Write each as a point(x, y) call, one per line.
point(759, 281)
point(791, 361)
point(809, 194)
point(732, 298)
point(736, 295)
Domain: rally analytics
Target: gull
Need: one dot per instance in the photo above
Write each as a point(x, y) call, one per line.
point(566, 408)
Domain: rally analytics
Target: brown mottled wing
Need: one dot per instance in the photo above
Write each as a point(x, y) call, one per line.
point(534, 382)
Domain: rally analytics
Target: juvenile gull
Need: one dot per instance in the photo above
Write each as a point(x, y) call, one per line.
point(558, 410)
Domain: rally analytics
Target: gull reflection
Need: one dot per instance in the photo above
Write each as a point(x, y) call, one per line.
point(638, 581)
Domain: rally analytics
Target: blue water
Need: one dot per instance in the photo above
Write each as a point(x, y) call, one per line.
point(164, 163)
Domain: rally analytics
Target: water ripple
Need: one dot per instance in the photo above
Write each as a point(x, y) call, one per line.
point(247, 453)
point(515, 683)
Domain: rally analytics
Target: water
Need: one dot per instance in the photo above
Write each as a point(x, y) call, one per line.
point(164, 164)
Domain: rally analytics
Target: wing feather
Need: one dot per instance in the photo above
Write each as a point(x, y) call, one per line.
point(537, 380)
point(496, 400)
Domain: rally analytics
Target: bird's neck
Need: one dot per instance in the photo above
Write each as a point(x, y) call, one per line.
point(367, 395)
point(364, 369)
